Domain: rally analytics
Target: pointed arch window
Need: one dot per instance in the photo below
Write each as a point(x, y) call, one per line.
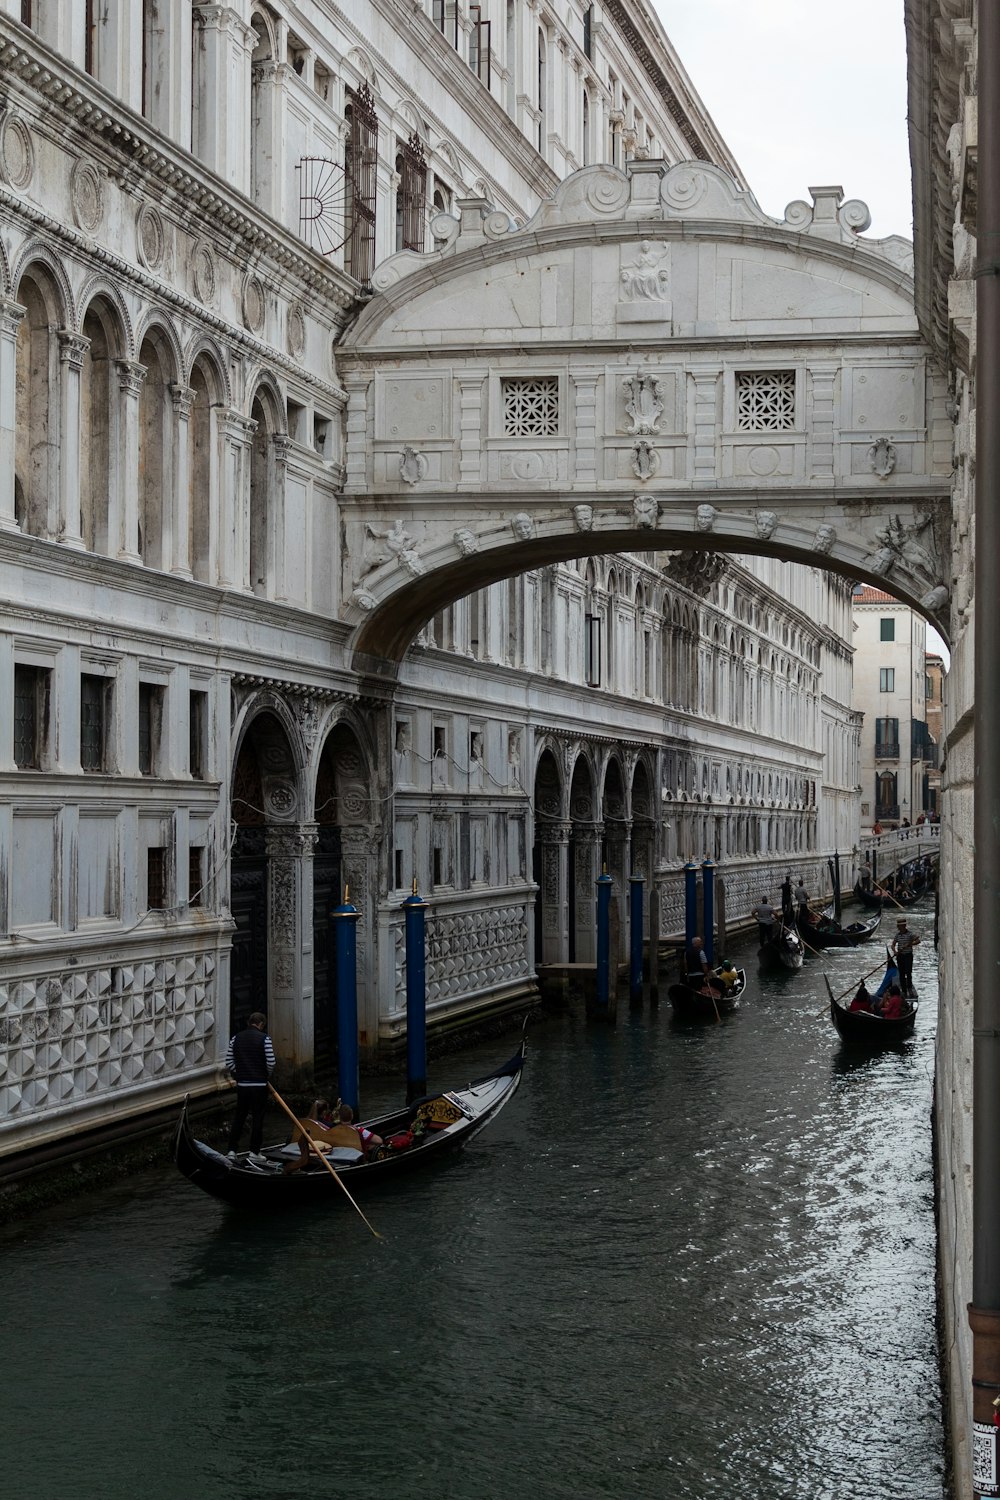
point(360, 169)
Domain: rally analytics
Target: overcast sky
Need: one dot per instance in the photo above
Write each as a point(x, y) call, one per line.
point(805, 94)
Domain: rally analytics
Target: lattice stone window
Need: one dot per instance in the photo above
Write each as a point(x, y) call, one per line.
point(765, 400)
point(531, 406)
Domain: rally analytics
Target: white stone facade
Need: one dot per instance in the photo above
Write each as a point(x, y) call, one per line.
point(890, 690)
point(192, 767)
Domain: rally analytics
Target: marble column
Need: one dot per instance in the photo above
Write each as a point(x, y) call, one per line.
point(236, 434)
point(11, 314)
point(359, 845)
point(72, 350)
point(123, 510)
point(554, 876)
point(289, 849)
point(182, 398)
point(281, 447)
point(223, 44)
point(587, 858)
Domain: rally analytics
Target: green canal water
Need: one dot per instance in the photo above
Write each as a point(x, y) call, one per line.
point(682, 1263)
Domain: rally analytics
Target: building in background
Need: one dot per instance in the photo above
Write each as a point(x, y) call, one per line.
point(890, 691)
point(934, 704)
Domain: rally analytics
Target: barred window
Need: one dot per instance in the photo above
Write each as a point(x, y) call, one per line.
point(360, 167)
point(765, 400)
point(94, 693)
point(531, 407)
point(31, 716)
point(411, 195)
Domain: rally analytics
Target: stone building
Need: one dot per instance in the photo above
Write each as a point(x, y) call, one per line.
point(890, 689)
point(193, 201)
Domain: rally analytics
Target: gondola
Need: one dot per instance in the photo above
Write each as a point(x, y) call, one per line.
point(875, 898)
point(862, 1029)
point(784, 952)
point(824, 932)
point(691, 1002)
point(436, 1126)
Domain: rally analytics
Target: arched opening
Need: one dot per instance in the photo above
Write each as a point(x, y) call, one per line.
point(548, 863)
point(203, 468)
point(155, 447)
point(340, 813)
point(584, 864)
point(615, 849)
point(36, 462)
point(100, 433)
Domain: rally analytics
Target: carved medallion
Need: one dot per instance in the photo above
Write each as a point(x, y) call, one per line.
point(17, 152)
point(296, 330)
point(87, 195)
point(149, 236)
point(253, 304)
point(203, 273)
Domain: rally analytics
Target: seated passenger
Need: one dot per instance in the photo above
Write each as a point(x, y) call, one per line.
point(893, 1008)
point(862, 1000)
point(728, 974)
point(367, 1137)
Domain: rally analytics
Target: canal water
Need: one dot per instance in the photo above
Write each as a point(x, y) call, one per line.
point(684, 1262)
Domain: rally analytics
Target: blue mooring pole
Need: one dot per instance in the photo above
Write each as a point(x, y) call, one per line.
point(708, 880)
point(345, 934)
point(604, 883)
point(415, 909)
point(636, 887)
point(690, 902)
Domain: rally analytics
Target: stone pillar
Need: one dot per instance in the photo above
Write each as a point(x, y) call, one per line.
point(281, 447)
point(182, 398)
point(168, 103)
point(587, 858)
point(266, 112)
point(470, 430)
point(359, 419)
point(617, 845)
point(289, 849)
point(359, 844)
point(11, 314)
point(585, 447)
point(123, 510)
point(223, 44)
point(554, 841)
point(236, 433)
point(72, 349)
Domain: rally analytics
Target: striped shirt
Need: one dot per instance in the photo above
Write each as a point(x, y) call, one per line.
point(250, 1058)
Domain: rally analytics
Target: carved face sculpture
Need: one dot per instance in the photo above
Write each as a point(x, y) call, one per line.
point(824, 538)
point(523, 526)
point(583, 515)
point(766, 521)
point(465, 541)
point(705, 518)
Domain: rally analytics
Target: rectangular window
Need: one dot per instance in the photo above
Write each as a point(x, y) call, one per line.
point(480, 45)
point(886, 629)
point(31, 716)
point(588, 32)
point(198, 735)
point(360, 170)
point(887, 679)
point(196, 876)
point(94, 696)
point(437, 876)
point(150, 724)
point(530, 406)
point(26, 19)
point(156, 879)
point(592, 650)
point(411, 195)
point(887, 738)
point(398, 870)
point(445, 15)
point(765, 400)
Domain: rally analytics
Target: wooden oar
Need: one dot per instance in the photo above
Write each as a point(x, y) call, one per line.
point(317, 1152)
point(838, 998)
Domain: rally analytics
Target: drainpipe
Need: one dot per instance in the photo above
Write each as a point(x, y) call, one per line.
point(984, 1311)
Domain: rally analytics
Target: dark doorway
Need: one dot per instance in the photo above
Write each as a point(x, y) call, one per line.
point(248, 901)
point(327, 894)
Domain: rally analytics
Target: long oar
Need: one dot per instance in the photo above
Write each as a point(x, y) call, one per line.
point(317, 1152)
point(838, 998)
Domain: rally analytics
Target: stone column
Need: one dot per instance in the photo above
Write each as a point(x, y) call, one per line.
point(72, 349)
point(289, 849)
point(182, 398)
point(236, 432)
point(265, 147)
point(617, 836)
point(359, 419)
point(587, 856)
point(281, 447)
point(359, 845)
point(585, 448)
point(223, 44)
point(554, 841)
point(11, 314)
point(470, 430)
point(123, 509)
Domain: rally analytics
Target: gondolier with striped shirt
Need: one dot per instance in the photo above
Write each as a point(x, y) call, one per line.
point(250, 1060)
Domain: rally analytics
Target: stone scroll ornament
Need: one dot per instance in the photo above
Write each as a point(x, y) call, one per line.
point(644, 405)
point(412, 466)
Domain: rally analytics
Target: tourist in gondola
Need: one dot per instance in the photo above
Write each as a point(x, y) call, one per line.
point(367, 1137)
point(765, 914)
point(892, 1007)
point(862, 1000)
point(250, 1061)
point(902, 946)
point(728, 974)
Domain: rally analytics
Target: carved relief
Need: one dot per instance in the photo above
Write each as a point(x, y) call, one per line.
point(397, 544)
point(522, 526)
point(647, 278)
point(203, 273)
point(583, 515)
point(882, 458)
point(644, 512)
point(765, 522)
point(705, 517)
point(644, 405)
point(465, 541)
point(412, 466)
point(149, 237)
point(824, 539)
point(87, 196)
point(254, 305)
point(17, 152)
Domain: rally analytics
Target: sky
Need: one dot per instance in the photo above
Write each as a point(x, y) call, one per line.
point(805, 94)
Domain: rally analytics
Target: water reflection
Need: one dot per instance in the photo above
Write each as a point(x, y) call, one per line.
point(683, 1262)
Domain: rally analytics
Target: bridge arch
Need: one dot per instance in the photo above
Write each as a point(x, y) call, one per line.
point(650, 365)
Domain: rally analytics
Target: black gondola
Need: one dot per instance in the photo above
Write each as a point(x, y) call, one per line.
point(864, 1029)
point(694, 999)
point(875, 898)
point(824, 932)
point(783, 952)
point(450, 1121)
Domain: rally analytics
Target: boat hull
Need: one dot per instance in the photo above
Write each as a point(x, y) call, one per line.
point(860, 1029)
point(691, 1005)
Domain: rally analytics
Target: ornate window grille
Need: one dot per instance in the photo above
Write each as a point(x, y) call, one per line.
point(531, 406)
point(360, 167)
point(411, 195)
point(765, 400)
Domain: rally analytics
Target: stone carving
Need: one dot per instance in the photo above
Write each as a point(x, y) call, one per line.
point(645, 460)
point(608, 190)
point(87, 195)
point(647, 278)
point(514, 756)
point(363, 599)
point(824, 539)
point(683, 188)
point(295, 330)
point(583, 515)
point(935, 599)
point(281, 799)
point(254, 305)
point(522, 526)
point(697, 571)
point(149, 237)
point(203, 274)
point(17, 152)
point(882, 457)
point(705, 517)
point(900, 544)
point(644, 405)
point(396, 544)
point(644, 512)
point(412, 466)
point(465, 541)
point(766, 522)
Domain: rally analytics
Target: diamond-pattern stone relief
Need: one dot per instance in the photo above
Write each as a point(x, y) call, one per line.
point(88, 1032)
point(469, 951)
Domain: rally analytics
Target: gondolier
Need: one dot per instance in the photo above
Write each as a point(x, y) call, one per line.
point(903, 945)
point(250, 1061)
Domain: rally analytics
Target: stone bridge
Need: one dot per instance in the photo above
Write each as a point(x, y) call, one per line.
point(651, 364)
